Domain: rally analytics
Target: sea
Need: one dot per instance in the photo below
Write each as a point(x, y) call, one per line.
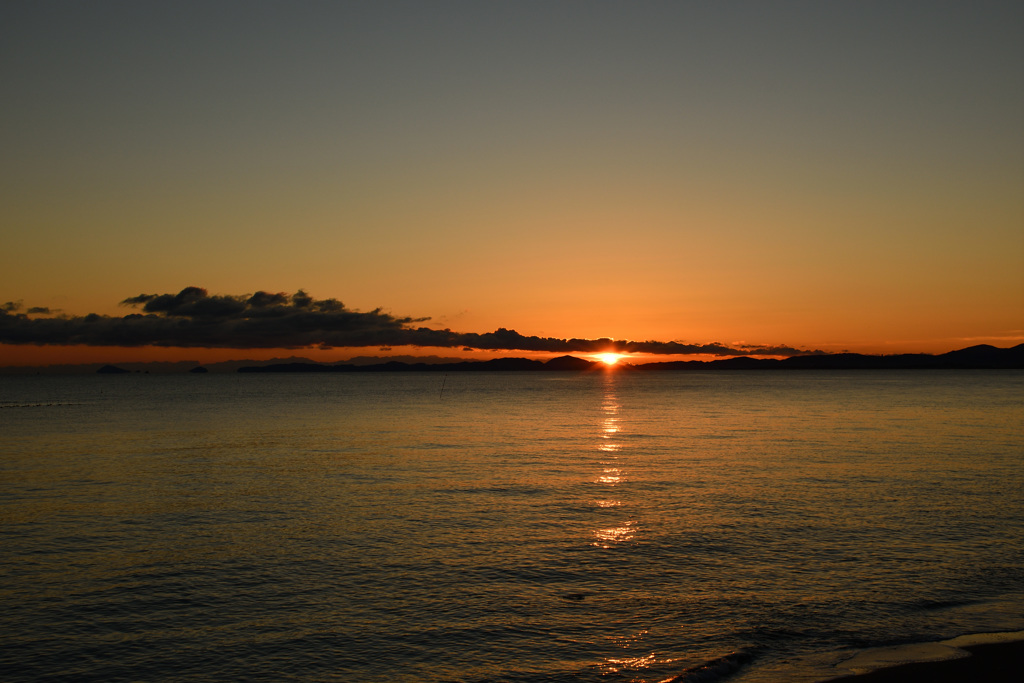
point(748, 526)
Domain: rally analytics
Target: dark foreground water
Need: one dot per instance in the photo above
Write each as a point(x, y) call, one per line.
point(512, 527)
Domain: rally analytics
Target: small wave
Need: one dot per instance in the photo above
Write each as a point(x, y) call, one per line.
point(713, 670)
point(575, 597)
point(929, 605)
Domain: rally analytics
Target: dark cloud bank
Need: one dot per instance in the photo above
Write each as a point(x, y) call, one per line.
point(194, 318)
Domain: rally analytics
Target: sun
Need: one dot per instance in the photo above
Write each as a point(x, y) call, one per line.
point(609, 358)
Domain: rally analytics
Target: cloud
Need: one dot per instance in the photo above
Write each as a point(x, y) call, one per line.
point(194, 318)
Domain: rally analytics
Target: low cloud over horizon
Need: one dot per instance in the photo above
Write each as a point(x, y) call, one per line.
point(193, 318)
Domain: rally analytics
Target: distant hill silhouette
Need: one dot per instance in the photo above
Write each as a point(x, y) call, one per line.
point(112, 370)
point(494, 365)
point(983, 356)
point(569, 363)
point(978, 357)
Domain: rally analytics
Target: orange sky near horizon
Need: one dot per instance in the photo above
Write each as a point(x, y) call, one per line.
point(835, 176)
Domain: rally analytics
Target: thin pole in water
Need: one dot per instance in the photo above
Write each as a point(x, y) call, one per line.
point(442, 386)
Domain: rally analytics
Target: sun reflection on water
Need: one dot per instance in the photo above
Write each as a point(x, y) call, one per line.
point(618, 534)
point(611, 475)
point(639, 661)
point(613, 472)
point(614, 665)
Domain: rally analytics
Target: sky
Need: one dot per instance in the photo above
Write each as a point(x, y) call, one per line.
point(793, 176)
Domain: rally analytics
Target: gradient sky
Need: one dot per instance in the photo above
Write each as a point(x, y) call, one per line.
point(830, 175)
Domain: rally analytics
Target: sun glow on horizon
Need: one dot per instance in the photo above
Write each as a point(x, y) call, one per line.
point(609, 358)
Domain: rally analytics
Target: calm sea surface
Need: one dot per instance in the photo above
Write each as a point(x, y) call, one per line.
point(510, 527)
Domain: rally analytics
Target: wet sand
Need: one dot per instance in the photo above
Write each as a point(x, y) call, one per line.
point(988, 663)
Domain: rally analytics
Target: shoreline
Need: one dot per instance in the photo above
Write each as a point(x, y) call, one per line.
point(980, 658)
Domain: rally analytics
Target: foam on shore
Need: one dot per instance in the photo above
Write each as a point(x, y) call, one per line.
point(978, 656)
